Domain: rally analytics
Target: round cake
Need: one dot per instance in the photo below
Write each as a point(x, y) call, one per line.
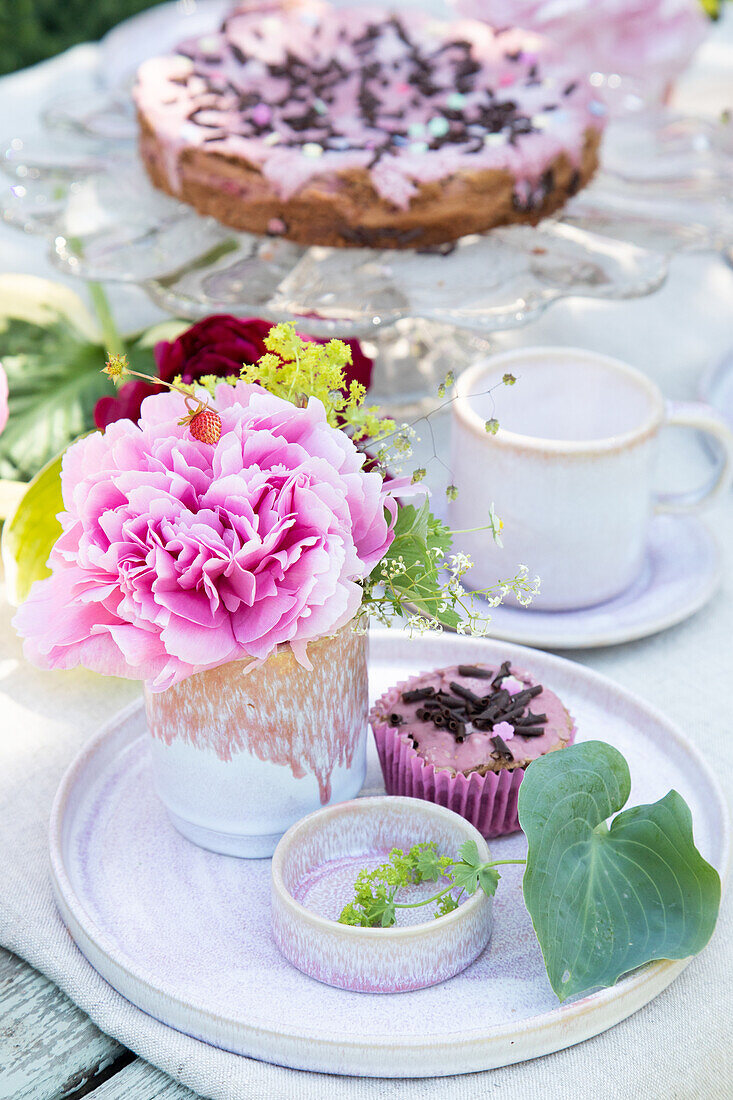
point(365, 127)
point(463, 737)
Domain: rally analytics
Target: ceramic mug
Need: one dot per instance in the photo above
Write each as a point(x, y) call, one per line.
point(570, 470)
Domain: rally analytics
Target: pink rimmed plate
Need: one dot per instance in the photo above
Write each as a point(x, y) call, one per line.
point(185, 934)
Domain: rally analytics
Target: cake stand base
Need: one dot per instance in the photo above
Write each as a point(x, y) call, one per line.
point(412, 358)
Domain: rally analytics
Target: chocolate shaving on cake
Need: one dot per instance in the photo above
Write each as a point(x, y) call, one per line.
point(475, 672)
point(417, 694)
point(463, 707)
point(531, 719)
point(502, 748)
point(467, 694)
point(502, 674)
point(306, 84)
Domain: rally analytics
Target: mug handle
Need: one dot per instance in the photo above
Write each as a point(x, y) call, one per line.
point(695, 414)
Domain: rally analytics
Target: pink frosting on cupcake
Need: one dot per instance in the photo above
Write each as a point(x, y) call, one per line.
point(440, 747)
point(463, 768)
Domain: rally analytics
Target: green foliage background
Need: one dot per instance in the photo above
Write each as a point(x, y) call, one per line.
point(31, 30)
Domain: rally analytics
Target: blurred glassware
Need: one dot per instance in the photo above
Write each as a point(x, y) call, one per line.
point(649, 42)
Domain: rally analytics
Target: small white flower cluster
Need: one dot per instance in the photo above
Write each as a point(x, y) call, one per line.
point(476, 623)
point(420, 624)
point(396, 446)
point(392, 568)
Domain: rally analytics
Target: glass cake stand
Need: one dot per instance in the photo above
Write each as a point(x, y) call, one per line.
point(664, 187)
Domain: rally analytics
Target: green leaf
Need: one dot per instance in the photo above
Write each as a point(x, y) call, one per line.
point(465, 877)
point(53, 355)
point(417, 534)
point(606, 900)
point(488, 879)
point(446, 905)
point(468, 852)
point(438, 534)
point(30, 532)
point(427, 863)
point(471, 872)
point(412, 521)
point(54, 383)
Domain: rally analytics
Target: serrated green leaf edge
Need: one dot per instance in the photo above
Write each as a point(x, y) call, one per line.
point(30, 532)
point(605, 901)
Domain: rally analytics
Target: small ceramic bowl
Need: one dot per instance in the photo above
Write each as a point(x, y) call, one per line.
point(313, 872)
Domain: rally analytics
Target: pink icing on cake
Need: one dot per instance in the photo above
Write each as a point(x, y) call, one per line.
point(315, 91)
point(441, 747)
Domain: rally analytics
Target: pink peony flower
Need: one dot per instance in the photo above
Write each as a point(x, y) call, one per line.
point(177, 556)
point(218, 345)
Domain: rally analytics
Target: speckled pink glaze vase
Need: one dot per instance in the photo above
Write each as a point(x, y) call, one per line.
point(239, 755)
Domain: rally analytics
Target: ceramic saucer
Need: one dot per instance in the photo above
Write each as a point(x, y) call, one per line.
point(682, 571)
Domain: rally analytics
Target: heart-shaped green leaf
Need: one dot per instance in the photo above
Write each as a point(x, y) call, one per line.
point(606, 900)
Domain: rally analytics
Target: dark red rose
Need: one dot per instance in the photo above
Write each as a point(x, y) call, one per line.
point(217, 345)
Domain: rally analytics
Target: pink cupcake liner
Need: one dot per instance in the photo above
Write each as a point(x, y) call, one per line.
point(488, 801)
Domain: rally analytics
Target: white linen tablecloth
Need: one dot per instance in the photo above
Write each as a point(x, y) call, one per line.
point(677, 1048)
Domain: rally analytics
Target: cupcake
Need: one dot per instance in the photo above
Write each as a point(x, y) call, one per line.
point(463, 736)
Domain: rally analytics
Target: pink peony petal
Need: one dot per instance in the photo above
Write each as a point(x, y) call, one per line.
point(177, 556)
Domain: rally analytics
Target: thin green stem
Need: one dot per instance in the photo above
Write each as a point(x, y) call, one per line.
point(469, 530)
point(177, 387)
point(418, 904)
point(113, 342)
point(447, 890)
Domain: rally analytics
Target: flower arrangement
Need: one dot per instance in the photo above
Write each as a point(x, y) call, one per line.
point(218, 346)
point(236, 515)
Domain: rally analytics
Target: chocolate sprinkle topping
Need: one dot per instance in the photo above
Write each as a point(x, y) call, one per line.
point(474, 672)
point(502, 748)
point(454, 711)
point(502, 674)
point(417, 695)
point(467, 694)
point(294, 115)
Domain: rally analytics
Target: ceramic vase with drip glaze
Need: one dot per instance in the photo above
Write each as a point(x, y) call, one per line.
point(240, 754)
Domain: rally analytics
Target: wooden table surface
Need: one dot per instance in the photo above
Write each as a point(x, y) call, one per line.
point(51, 1050)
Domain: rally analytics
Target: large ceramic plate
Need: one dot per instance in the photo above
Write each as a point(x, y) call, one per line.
point(184, 933)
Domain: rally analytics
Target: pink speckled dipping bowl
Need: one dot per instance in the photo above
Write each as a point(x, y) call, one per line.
point(313, 872)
